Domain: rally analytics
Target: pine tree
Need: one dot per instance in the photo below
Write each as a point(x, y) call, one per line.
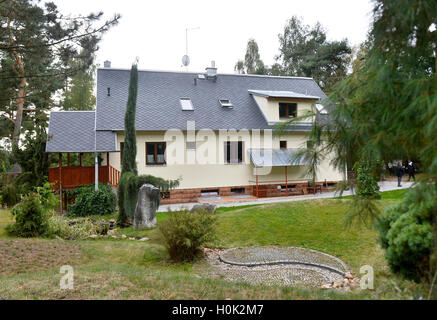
point(37, 44)
point(252, 63)
point(305, 51)
point(80, 94)
point(386, 110)
point(129, 164)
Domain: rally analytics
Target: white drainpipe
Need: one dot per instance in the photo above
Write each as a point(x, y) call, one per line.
point(96, 166)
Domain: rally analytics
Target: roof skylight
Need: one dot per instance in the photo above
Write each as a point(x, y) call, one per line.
point(186, 104)
point(226, 103)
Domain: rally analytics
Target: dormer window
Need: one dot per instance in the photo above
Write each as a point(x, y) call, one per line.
point(321, 109)
point(226, 103)
point(287, 110)
point(186, 104)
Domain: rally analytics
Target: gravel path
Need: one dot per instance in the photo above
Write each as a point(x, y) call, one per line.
point(277, 274)
point(273, 255)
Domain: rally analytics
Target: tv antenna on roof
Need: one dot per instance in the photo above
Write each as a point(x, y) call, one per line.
point(186, 58)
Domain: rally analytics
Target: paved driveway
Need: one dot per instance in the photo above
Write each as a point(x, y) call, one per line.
point(384, 186)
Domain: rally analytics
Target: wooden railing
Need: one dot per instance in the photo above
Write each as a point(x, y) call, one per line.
point(72, 177)
point(114, 176)
point(260, 192)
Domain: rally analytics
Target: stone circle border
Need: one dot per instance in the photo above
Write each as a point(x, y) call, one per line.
point(290, 262)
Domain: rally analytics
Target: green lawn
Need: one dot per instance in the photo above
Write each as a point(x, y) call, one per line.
point(5, 219)
point(126, 269)
point(387, 195)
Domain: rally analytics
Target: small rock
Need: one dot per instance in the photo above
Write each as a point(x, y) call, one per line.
point(114, 237)
point(349, 276)
point(131, 238)
point(325, 286)
point(123, 236)
point(111, 232)
point(144, 239)
point(93, 236)
point(210, 208)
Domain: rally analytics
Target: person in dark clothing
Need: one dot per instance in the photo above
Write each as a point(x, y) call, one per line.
point(400, 171)
point(411, 168)
point(390, 169)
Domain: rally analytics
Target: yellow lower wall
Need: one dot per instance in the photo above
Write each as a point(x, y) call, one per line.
point(220, 175)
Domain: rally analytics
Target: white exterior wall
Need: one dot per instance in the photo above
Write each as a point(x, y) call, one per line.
point(217, 175)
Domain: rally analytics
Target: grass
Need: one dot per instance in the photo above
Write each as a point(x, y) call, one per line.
point(317, 224)
point(5, 219)
point(125, 269)
point(386, 195)
point(394, 195)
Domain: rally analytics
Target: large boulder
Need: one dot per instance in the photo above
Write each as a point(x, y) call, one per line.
point(147, 204)
point(210, 208)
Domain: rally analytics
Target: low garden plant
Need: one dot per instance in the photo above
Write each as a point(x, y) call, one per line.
point(184, 233)
point(61, 227)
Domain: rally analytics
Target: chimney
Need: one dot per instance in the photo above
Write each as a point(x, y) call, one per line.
point(211, 72)
point(107, 64)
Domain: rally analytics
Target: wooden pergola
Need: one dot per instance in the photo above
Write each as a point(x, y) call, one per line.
point(277, 158)
point(74, 132)
point(72, 176)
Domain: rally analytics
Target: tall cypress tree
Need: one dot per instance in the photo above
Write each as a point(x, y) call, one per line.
point(129, 164)
point(130, 140)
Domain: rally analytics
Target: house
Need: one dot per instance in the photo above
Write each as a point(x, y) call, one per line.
point(212, 131)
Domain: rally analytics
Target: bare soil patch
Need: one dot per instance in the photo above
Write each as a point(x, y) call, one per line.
point(26, 255)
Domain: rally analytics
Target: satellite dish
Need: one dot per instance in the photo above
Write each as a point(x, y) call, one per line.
point(185, 60)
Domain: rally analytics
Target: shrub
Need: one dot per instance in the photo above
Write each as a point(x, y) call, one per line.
point(384, 222)
point(367, 186)
point(49, 200)
point(9, 195)
point(184, 233)
point(88, 201)
point(60, 226)
point(30, 218)
point(405, 231)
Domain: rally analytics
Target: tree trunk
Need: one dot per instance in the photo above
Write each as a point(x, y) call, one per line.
point(19, 115)
point(21, 91)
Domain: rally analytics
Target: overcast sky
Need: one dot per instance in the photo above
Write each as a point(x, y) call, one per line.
point(155, 30)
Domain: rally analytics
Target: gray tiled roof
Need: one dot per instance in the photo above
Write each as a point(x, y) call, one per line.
point(73, 131)
point(158, 106)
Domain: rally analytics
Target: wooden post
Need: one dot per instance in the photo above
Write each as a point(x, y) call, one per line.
point(60, 181)
point(286, 180)
point(80, 159)
point(109, 168)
